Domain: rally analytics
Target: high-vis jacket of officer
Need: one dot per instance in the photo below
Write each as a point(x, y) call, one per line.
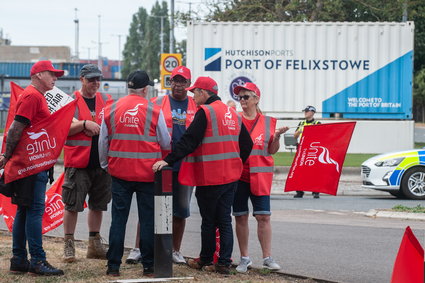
point(164, 103)
point(217, 160)
point(133, 142)
point(260, 161)
point(304, 123)
point(77, 147)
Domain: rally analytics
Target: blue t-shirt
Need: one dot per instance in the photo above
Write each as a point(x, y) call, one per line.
point(178, 113)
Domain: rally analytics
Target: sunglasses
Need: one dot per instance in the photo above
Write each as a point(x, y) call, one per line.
point(244, 97)
point(95, 79)
point(179, 81)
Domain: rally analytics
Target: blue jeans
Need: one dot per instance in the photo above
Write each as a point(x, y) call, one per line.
point(215, 203)
point(27, 224)
point(122, 193)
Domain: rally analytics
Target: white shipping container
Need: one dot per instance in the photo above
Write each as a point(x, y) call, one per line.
point(351, 70)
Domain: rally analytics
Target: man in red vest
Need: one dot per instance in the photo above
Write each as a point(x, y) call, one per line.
point(131, 138)
point(83, 174)
point(27, 227)
point(215, 146)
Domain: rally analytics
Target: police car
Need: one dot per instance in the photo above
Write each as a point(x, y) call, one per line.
point(402, 174)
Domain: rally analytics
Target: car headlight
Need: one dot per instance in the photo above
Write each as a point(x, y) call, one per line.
point(389, 162)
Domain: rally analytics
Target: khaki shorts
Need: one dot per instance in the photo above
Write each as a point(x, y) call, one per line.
point(80, 182)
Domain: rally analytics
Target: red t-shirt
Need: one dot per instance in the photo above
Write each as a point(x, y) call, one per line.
point(248, 125)
point(32, 105)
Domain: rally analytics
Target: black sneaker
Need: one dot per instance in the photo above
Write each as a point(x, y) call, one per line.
point(42, 267)
point(316, 195)
point(148, 271)
point(19, 265)
point(113, 271)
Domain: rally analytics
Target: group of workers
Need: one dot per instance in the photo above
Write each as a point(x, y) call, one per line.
point(113, 150)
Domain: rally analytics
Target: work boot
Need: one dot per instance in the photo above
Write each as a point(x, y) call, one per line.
point(19, 265)
point(69, 249)
point(95, 248)
point(299, 194)
point(42, 267)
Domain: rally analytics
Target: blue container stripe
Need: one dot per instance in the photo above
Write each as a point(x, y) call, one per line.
point(209, 52)
point(394, 179)
point(392, 84)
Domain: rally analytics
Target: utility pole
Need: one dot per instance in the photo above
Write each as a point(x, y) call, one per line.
point(99, 48)
point(172, 27)
point(88, 52)
point(119, 51)
point(162, 31)
point(404, 17)
point(77, 35)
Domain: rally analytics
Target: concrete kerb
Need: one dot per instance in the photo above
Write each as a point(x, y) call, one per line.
point(395, 214)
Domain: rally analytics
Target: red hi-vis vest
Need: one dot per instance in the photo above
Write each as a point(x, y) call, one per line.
point(260, 160)
point(77, 147)
point(217, 160)
point(164, 103)
point(133, 144)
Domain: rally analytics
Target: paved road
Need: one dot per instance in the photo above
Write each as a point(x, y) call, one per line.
point(328, 238)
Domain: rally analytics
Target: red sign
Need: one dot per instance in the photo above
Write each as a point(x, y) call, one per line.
point(320, 155)
point(53, 211)
point(40, 145)
point(15, 92)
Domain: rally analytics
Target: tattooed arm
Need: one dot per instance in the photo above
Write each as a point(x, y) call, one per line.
point(13, 136)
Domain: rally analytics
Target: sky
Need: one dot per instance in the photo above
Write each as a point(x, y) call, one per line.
point(49, 22)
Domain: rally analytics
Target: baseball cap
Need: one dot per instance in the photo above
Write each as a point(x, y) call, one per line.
point(206, 83)
point(248, 86)
point(181, 71)
point(90, 71)
point(138, 79)
point(45, 65)
point(309, 108)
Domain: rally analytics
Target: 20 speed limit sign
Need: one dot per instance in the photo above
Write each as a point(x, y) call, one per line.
point(170, 63)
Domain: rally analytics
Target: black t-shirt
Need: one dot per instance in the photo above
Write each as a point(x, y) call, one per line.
point(94, 151)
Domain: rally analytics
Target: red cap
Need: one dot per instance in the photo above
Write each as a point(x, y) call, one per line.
point(181, 71)
point(248, 86)
point(206, 83)
point(46, 65)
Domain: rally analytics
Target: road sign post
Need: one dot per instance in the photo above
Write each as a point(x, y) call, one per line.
point(163, 238)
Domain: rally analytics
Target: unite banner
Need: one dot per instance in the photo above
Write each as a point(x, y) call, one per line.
point(320, 155)
point(40, 145)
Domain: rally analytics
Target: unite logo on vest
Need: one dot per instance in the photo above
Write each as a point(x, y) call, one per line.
point(101, 114)
point(321, 153)
point(228, 121)
point(129, 118)
point(42, 142)
point(259, 140)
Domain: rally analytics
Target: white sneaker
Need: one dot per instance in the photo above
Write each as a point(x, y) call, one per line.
point(178, 258)
point(244, 264)
point(134, 256)
point(269, 263)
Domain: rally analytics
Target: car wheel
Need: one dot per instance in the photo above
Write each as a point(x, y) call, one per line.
point(398, 194)
point(413, 183)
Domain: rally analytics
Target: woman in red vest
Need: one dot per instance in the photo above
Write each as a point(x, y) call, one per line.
point(256, 180)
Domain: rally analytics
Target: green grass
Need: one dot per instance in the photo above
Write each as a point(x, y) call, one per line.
point(419, 144)
point(416, 209)
point(351, 160)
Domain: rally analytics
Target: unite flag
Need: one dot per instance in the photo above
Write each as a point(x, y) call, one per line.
point(409, 264)
point(320, 155)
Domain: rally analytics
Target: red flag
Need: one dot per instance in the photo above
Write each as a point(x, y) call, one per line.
point(8, 211)
point(53, 212)
point(409, 264)
point(40, 145)
point(320, 155)
point(15, 92)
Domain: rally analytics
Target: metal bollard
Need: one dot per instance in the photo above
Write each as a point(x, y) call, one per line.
point(163, 238)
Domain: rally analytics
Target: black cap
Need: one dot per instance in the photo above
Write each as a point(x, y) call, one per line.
point(90, 71)
point(309, 108)
point(138, 79)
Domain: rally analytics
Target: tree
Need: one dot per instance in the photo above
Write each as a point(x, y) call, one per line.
point(134, 45)
point(142, 48)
